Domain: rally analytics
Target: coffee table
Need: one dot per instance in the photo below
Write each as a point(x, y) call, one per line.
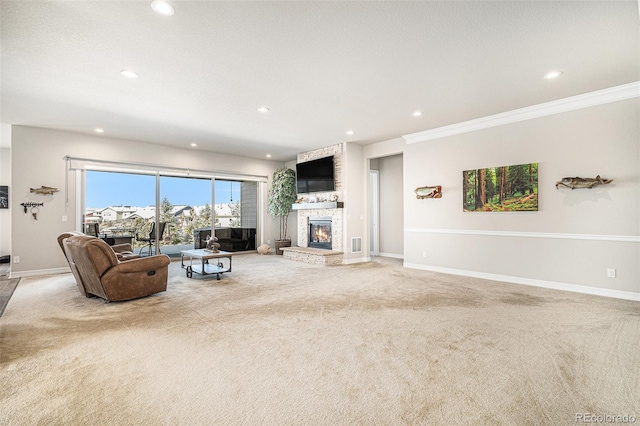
point(205, 268)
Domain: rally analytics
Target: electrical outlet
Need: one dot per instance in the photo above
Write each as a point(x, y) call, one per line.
point(16, 259)
point(268, 241)
point(424, 254)
point(611, 273)
point(64, 218)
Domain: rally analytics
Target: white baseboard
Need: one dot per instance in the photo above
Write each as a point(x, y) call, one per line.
point(39, 272)
point(393, 255)
point(358, 260)
point(618, 294)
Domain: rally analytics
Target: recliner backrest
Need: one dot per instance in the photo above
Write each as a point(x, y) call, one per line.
point(64, 236)
point(72, 265)
point(102, 256)
point(92, 257)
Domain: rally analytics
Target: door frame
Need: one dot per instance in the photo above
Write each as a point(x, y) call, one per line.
point(374, 200)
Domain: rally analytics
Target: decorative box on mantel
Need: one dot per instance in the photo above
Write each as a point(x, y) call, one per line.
point(322, 205)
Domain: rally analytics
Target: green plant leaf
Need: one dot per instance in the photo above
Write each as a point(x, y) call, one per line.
point(282, 196)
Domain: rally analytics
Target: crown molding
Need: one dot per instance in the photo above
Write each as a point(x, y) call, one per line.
point(599, 97)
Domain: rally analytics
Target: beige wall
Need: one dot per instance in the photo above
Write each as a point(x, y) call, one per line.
point(384, 149)
point(567, 241)
point(37, 159)
point(292, 221)
point(355, 175)
point(574, 237)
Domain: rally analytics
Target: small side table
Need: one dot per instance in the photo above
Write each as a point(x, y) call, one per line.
point(205, 268)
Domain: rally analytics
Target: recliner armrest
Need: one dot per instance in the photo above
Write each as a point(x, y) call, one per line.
point(121, 248)
point(143, 264)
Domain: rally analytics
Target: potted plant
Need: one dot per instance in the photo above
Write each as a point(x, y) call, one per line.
point(281, 198)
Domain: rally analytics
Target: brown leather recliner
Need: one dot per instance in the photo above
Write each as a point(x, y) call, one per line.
point(100, 273)
point(123, 252)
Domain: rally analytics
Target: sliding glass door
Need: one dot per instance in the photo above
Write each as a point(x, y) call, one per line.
point(167, 214)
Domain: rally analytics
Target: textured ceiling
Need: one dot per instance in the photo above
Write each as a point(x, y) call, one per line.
point(321, 67)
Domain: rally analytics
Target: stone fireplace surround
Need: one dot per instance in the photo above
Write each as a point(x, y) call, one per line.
point(319, 256)
point(336, 226)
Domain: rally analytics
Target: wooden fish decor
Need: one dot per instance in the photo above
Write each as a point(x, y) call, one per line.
point(44, 190)
point(578, 182)
point(428, 192)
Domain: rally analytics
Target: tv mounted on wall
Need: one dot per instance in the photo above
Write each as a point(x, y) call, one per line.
point(315, 176)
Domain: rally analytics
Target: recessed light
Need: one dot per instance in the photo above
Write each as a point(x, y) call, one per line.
point(552, 74)
point(129, 73)
point(161, 7)
point(98, 130)
point(350, 132)
point(268, 155)
point(193, 144)
point(416, 113)
point(263, 109)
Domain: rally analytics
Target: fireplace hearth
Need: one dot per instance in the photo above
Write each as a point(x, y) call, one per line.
point(320, 232)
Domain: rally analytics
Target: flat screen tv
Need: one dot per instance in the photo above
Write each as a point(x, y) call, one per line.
point(315, 176)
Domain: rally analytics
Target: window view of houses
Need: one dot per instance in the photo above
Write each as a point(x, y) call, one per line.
point(181, 220)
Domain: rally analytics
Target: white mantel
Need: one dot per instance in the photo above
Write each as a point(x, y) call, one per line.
point(322, 205)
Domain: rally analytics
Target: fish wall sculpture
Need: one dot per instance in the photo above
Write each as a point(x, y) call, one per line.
point(578, 182)
point(428, 192)
point(44, 190)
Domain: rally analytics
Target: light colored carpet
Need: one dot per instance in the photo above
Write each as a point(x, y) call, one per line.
point(276, 342)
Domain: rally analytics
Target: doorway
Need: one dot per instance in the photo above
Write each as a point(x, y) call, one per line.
point(386, 206)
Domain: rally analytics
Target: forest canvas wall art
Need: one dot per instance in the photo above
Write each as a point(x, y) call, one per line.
point(501, 189)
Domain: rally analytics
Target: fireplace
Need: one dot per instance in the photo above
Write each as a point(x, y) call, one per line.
point(320, 232)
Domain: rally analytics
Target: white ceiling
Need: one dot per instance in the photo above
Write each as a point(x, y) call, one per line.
point(321, 67)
